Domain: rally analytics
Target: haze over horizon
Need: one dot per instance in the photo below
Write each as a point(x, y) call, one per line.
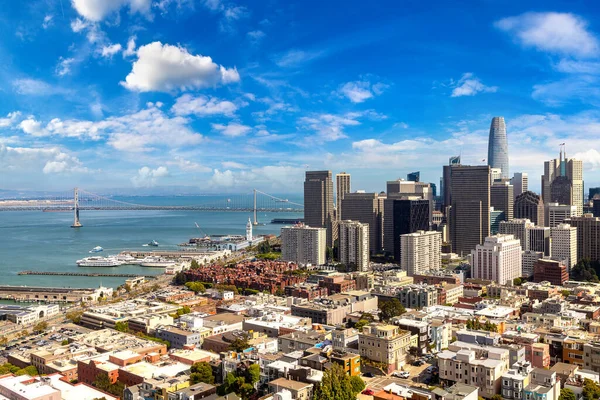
point(214, 96)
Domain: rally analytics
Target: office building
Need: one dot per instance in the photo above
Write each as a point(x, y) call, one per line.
point(342, 186)
point(446, 182)
point(304, 244)
point(496, 216)
point(530, 206)
point(420, 251)
point(354, 244)
point(519, 228)
point(520, 182)
point(498, 146)
point(470, 212)
point(495, 175)
point(588, 236)
point(408, 216)
point(529, 259)
point(556, 214)
point(596, 206)
point(368, 209)
point(502, 198)
point(497, 259)
point(318, 203)
point(413, 176)
point(564, 244)
point(593, 192)
point(539, 239)
point(552, 271)
point(562, 182)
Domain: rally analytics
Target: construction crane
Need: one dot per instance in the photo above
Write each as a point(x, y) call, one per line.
point(200, 229)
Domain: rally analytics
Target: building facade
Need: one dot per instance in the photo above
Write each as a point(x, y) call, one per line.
point(519, 228)
point(386, 344)
point(318, 203)
point(529, 205)
point(304, 244)
point(502, 198)
point(498, 259)
point(520, 182)
point(420, 251)
point(498, 146)
point(354, 244)
point(342, 186)
point(564, 244)
point(588, 236)
point(368, 209)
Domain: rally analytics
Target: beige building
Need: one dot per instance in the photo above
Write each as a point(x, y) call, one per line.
point(342, 186)
point(570, 171)
point(368, 209)
point(498, 259)
point(556, 214)
point(296, 390)
point(420, 251)
point(588, 236)
point(304, 244)
point(564, 244)
point(318, 203)
point(519, 228)
point(520, 182)
point(354, 244)
point(386, 344)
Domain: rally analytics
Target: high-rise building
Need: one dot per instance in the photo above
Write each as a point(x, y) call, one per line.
point(342, 186)
point(588, 236)
point(555, 213)
point(496, 216)
point(520, 182)
point(318, 203)
point(495, 175)
point(539, 239)
point(445, 190)
point(596, 206)
point(498, 146)
point(470, 212)
point(593, 191)
point(408, 216)
point(303, 244)
point(413, 176)
point(498, 259)
point(564, 244)
point(530, 206)
point(420, 251)
point(354, 244)
point(502, 198)
point(519, 229)
point(529, 259)
point(368, 209)
point(553, 271)
point(562, 182)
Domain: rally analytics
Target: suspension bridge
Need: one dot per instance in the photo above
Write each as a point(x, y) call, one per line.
point(81, 200)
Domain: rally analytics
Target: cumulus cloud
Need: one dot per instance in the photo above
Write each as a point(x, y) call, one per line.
point(97, 10)
point(167, 68)
point(203, 106)
point(590, 158)
point(558, 33)
point(10, 119)
point(331, 127)
point(470, 85)
point(232, 129)
point(188, 165)
point(48, 21)
point(48, 160)
point(110, 50)
point(147, 177)
point(270, 177)
point(360, 91)
point(130, 50)
point(64, 66)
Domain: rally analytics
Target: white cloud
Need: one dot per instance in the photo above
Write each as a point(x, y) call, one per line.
point(64, 66)
point(130, 50)
point(97, 10)
point(590, 158)
point(47, 160)
point(167, 68)
point(187, 165)
point(360, 91)
point(331, 127)
point(256, 35)
point(233, 165)
point(32, 127)
point(36, 87)
point(558, 33)
point(203, 106)
point(269, 177)
point(470, 85)
point(10, 119)
point(78, 25)
point(583, 88)
point(577, 66)
point(48, 21)
point(229, 11)
point(232, 129)
point(110, 50)
point(147, 177)
point(295, 57)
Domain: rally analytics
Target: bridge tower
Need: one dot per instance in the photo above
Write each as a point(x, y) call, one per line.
point(255, 219)
point(76, 223)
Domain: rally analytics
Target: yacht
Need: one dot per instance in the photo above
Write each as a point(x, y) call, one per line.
point(153, 243)
point(99, 262)
point(96, 249)
point(156, 262)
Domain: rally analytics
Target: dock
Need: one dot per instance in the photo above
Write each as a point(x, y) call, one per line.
point(89, 274)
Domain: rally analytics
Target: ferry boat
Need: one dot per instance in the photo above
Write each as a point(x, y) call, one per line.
point(156, 262)
point(126, 259)
point(99, 262)
point(96, 249)
point(153, 243)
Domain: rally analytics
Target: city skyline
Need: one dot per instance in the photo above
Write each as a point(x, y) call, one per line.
point(215, 97)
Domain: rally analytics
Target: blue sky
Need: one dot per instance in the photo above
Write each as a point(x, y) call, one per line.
point(223, 96)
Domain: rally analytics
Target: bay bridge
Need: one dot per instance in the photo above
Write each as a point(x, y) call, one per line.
point(81, 200)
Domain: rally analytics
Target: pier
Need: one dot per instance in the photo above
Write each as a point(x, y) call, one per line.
point(92, 274)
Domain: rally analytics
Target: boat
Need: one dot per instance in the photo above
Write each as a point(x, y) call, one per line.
point(126, 259)
point(153, 243)
point(96, 249)
point(99, 262)
point(156, 262)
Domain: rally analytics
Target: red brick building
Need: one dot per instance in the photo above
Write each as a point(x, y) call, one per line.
point(552, 271)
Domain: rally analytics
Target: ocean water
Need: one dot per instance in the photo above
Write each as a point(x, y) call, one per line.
point(44, 241)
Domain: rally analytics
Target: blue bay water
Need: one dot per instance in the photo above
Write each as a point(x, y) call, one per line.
point(44, 241)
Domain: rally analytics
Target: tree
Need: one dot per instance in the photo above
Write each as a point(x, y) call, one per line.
point(565, 292)
point(64, 342)
point(329, 254)
point(122, 326)
point(336, 385)
point(359, 325)
point(74, 316)
point(40, 327)
point(517, 281)
point(240, 343)
point(202, 372)
point(591, 391)
point(567, 394)
point(497, 397)
point(102, 382)
point(358, 385)
point(253, 373)
point(229, 384)
point(391, 308)
point(194, 264)
point(180, 278)
point(586, 271)
point(196, 287)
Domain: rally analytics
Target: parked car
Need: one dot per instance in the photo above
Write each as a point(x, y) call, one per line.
point(431, 369)
point(368, 392)
point(418, 363)
point(401, 374)
point(368, 375)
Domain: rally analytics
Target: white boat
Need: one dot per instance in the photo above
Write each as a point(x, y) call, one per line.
point(156, 262)
point(96, 249)
point(126, 259)
point(99, 262)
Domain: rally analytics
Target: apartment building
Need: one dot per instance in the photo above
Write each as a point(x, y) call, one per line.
point(383, 343)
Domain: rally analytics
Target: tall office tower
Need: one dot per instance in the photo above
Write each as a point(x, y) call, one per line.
point(562, 182)
point(368, 209)
point(470, 212)
point(496, 216)
point(495, 175)
point(318, 203)
point(594, 191)
point(519, 229)
point(539, 239)
point(520, 182)
point(588, 236)
point(555, 213)
point(413, 176)
point(342, 186)
point(498, 146)
point(596, 206)
point(497, 259)
point(408, 216)
point(420, 251)
point(530, 205)
point(501, 198)
point(445, 191)
point(303, 244)
point(529, 259)
point(354, 244)
point(564, 244)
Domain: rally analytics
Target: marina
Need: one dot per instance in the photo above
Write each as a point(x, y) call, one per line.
point(83, 274)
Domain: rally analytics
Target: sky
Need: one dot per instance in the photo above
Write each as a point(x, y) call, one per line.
point(217, 96)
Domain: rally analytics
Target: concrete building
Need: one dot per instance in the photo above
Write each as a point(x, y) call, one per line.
point(354, 244)
point(529, 258)
point(368, 209)
point(519, 228)
point(342, 186)
point(420, 252)
point(543, 385)
point(408, 216)
point(386, 344)
point(178, 338)
point(498, 146)
point(498, 259)
point(333, 310)
point(529, 205)
point(417, 296)
point(419, 328)
point(304, 244)
point(520, 182)
point(591, 356)
point(502, 198)
point(564, 244)
point(540, 239)
point(551, 271)
point(318, 203)
point(588, 236)
point(557, 213)
point(470, 212)
point(515, 380)
point(562, 182)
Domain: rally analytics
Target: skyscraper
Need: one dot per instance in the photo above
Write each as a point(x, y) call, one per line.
point(318, 202)
point(413, 176)
point(501, 198)
point(562, 182)
point(368, 209)
point(408, 216)
point(588, 236)
point(342, 186)
point(354, 244)
point(564, 244)
point(447, 181)
point(498, 146)
point(520, 182)
point(530, 205)
point(420, 251)
point(303, 244)
point(498, 259)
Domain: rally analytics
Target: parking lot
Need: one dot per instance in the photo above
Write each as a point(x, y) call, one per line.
point(418, 374)
point(52, 336)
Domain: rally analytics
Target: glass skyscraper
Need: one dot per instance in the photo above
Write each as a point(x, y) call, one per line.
point(498, 146)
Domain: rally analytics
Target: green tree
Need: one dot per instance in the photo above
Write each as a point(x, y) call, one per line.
point(40, 327)
point(240, 343)
point(229, 384)
point(102, 382)
point(358, 385)
point(517, 281)
point(194, 264)
point(586, 271)
point(359, 325)
point(591, 391)
point(122, 326)
point(74, 316)
point(336, 385)
point(202, 372)
point(253, 373)
point(391, 308)
point(497, 397)
point(180, 278)
point(567, 394)
point(565, 292)
point(329, 254)
point(64, 342)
